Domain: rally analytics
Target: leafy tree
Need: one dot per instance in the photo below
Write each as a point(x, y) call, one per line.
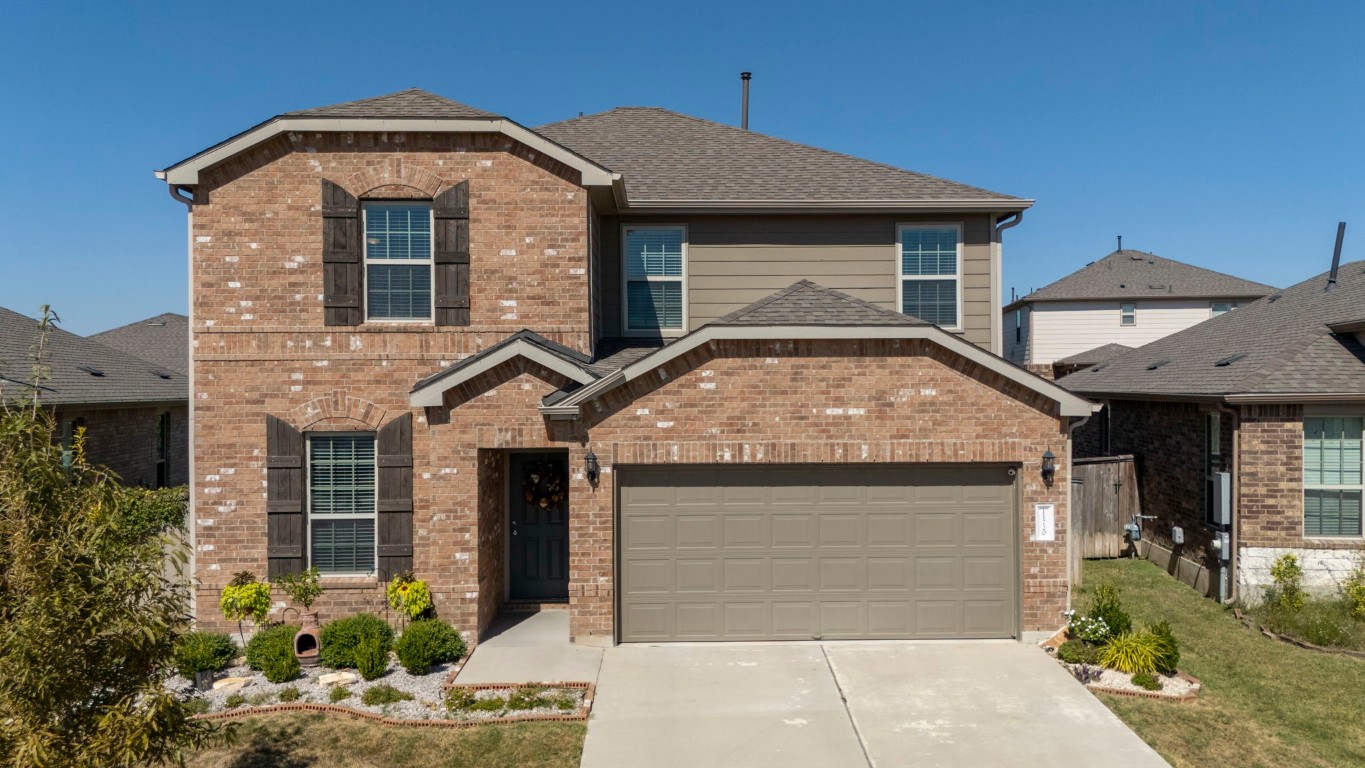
point(88, 619)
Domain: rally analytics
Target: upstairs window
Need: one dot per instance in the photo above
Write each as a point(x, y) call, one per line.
point(1332, 477)
point(654, 258)
point(398, 261)
point(1128, 313)
point(931, 273)
point(341, 503)
point(1222, 307)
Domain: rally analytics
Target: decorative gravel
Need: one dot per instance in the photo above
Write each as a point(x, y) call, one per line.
point(1171, 685)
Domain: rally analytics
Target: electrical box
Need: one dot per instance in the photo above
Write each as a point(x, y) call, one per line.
point(1224, 546)
point(1222, 498)
point(1177, 535)
point(1134, 532)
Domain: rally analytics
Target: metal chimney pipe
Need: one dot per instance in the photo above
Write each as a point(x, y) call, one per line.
point(1336, 258)
point(744, 104)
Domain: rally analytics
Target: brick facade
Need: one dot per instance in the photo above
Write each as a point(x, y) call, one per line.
point(125, 440)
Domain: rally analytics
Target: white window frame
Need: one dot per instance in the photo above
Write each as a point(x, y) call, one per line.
point(1123, 304)
point(626, 330)
point(901, 278)
point(1303, 476)
point(1214, 313)
point(308, 505)
point(430, 319)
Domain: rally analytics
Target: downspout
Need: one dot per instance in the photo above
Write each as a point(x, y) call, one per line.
point(1233, 592)
point(997, 319)
point(191, 564)
point(1070, 513)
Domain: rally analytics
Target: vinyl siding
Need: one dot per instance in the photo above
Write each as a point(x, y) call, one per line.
point(1062, 329)
point(733, 261)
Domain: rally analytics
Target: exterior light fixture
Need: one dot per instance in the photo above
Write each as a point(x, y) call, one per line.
point(1049, 466)
point(591, 468)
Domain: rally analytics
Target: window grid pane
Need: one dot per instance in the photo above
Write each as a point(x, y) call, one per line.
point(343, 546)
point(654, 252)
point(398, 291)
point(1331, 513)
point(1332, 451)
point(654, 304)
point(929, 252)
point(397, 232)
point(934, 301)
point(341, 502)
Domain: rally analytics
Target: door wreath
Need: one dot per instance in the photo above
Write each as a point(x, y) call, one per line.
point(543, 484)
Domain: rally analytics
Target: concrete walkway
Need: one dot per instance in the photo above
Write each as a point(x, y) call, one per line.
point(531, 648)
point(850, 704)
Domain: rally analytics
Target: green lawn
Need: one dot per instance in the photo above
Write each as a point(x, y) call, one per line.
point(1264, 703)
point(336, 741)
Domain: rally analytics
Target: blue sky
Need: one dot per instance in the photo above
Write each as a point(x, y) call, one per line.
point(1223, 134)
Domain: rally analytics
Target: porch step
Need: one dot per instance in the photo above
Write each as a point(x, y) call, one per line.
point(535, 606)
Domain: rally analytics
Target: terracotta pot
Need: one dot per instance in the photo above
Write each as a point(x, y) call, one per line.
point(308, 641)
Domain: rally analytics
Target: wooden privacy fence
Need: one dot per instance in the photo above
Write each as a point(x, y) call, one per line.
point(1104, 497)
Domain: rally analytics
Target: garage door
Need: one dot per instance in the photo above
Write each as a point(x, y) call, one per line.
point(816, 552)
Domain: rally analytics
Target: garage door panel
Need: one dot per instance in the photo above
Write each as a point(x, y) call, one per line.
point(743, 553)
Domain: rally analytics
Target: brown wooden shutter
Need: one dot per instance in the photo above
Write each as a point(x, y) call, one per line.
point(450, 209)
point(287, 528)
point(395, 497)
point(341, 269)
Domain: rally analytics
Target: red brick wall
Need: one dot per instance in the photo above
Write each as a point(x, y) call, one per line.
point(125, 441)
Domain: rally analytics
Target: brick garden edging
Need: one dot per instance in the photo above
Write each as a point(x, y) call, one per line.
point(1249, 624)
point(1190, 695)
point(589, 691)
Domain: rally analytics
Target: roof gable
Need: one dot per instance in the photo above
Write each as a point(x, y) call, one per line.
point(164, 340)
point(1137, 274)
point(414, 102)
point(805, 303)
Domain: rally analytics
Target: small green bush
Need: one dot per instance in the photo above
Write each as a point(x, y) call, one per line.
point(278, 662)
point(203, 652)
point(459, 699)
point(338, 693)
point(383, 694)
point(490, 704)
point(1353, 589)
point(197, 705)
point(1077, 652)
point(1288, 590)
point(266, 641)
point(234, 701)
point(426, 642)
point(1131, 653)
point(290, 694)
point(528, 697)
point(340, 638)
point(1147, 681)
point(565, 701)
point(371, 658)
point(260, 699)
point(1168, 648)
point(1107, 607)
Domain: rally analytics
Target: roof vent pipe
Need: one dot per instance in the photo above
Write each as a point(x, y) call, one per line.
point(744, 100)
point(1336, 258)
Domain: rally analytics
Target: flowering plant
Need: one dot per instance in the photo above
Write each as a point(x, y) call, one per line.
point(409, 596)
point(1086, 673)
point(1091, 629)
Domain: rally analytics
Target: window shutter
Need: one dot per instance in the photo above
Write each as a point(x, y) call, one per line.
point(341, 268)
point(395, 497)
point(287, 528)
point(450, 209)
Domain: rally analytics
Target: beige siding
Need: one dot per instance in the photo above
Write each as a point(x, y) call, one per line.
point(1062, 329)
point(1017, 346)
point(736, 260)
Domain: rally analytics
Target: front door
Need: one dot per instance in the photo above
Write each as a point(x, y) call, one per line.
point(538, 526)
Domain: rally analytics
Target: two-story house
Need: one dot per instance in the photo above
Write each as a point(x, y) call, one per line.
point(1125, 300)
point(687, 381)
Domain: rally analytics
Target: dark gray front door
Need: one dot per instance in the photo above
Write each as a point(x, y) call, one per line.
point(538, 526)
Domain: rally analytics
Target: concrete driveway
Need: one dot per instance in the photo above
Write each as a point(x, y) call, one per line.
point(850, 704)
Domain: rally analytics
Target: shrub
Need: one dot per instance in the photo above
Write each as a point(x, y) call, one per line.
point(260, 699)
point(245, 598)
point(490, 704)
point(1288, 590)
point(303, 588)
point(1090, 629)
point(1131, 653)
point(290, 694)
point(565, 701)
point(340, 638)
point(1107, 607)
point(265, 642)
point(409, 596)
point(1147, 681)
point(371, 658)
point(383, 694)
point(1077, 652)
point(278, 662)
point(459, 699)
point(197, 705)
point(1086, 673)
point(234, 701)
point(338, 693)
point(1168, 649)
point(1353, 589)
point(527, 697)
point(203, 652)
point(427, 642)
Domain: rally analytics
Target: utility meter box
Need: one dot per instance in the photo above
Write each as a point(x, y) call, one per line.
point(1224, 546)
point(1222, 498)
point(1177, 535)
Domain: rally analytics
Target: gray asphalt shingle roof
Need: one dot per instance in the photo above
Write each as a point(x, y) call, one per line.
point(412, 103)
point(82, 371)
point(670, 157)
point(805, 303)
point(1097, 355)
point(1130, 274)
point(164, 340)
point(1280, 344)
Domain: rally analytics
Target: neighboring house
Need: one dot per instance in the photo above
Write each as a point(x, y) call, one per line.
point(1272, 394)
point(163, 340)
point(687, 381)
point(1128, 298)
point(133, 410)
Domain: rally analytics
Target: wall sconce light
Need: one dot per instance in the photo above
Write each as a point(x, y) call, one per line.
point(591, 468)
point(1049, 466)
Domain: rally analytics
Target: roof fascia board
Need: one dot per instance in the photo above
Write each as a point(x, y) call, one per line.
point(186, 172)
point(1070, 404)
point(1131, 297)
point(1300, 397)
point(842, 206)
point(433, 394)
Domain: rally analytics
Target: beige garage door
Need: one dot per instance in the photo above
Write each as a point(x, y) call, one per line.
point(817, 552)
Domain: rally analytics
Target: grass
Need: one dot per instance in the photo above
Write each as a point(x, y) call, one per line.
point(331, 741)
point(1325, 622)
point(1264, 703)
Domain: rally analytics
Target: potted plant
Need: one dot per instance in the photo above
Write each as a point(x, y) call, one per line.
point(245, 598)
point(409, 596)
point(303, 588)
